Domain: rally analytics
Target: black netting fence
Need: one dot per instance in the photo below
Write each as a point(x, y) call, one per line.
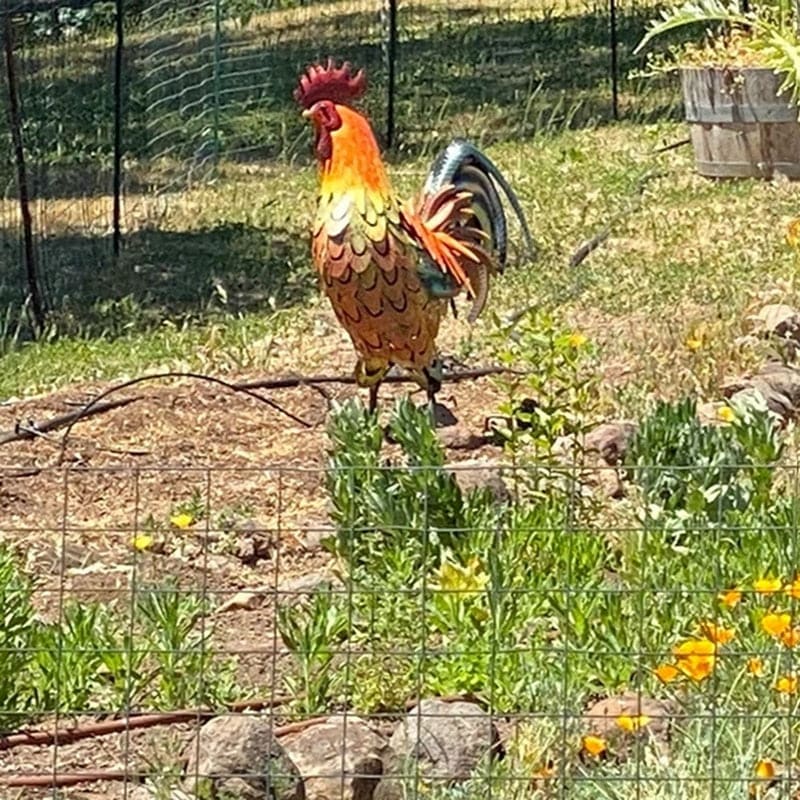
point(111, 109)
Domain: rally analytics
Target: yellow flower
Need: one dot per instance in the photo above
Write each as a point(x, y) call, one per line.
point(793, 588)
point(793, 233)
point(142, 541)
point(767, 585)
point(775, 624)
point(765, 769)
point(787, 684)
point(577, 339)
point(182, 520)
point(717, 633)
point(755, 667)
point(696, 658)
point(726, 414)
point(693, 343)
point(466, 581)
point(632, 724)
point(731, 598)
point(594, 745)
point(791, 637)
point(666, 672)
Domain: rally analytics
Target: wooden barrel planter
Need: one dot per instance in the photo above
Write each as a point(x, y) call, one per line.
point(740, 126)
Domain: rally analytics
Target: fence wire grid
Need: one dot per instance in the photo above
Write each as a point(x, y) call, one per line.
point(114, 112)
point(399, 631)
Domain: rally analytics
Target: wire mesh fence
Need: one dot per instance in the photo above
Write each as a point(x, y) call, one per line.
point(402, 628)
point(122, 109)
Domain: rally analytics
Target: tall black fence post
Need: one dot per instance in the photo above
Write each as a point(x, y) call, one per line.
point(390, 22)
point(118, 77)
point(34, 296)
point(614, 58)
point(217, 78)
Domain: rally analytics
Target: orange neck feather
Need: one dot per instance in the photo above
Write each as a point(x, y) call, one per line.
point(355, 158)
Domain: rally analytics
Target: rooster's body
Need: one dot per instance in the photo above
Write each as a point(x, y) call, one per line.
point(390, 271)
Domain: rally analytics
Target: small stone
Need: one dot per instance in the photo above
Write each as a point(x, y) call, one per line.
point(245, 600)
point(778, 319)
point(238, 758)
point(252, 543)
point(443, 742)
point(460, 437)
point(338, 758)
point(611, 440)
point(480, 474)
point(311, 534)
point(300, 586)
point(443, 417)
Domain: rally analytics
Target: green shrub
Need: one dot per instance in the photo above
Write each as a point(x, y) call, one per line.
point(686, 466)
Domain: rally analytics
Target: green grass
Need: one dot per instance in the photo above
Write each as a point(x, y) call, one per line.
point(229, 263)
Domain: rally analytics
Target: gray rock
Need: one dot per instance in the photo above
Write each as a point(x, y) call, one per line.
point(460, 437)
point(776, 382)
point(237, 758)
point(295, 588)
point(611, 440)
point(438, 741)
point(312, 533)
point(780, 320)
point(784, 379)
point(339, 759)
point(776, 401)
point(480, 474)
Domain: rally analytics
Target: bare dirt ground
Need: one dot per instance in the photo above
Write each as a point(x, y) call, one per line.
point(128, 470)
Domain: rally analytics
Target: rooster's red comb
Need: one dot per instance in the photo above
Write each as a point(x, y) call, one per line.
point(330, 82)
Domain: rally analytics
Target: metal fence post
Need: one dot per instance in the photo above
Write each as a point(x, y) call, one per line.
point(390, 14)
point(612, 13)
point(217, 76)
point(118, 56)
point(33, 296)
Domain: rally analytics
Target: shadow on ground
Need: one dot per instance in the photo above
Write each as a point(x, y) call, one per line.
point(165, 276)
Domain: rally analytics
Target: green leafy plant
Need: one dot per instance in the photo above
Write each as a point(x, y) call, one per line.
point(17, 635)
point(693, 468)
point(95, 657)
point(557, 392)
point(378, 504)
point(767, 36)
point(181, 664)
point(313, 631)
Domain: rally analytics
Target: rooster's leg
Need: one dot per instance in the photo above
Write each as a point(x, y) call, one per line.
point(373, 398)
point(432, 386)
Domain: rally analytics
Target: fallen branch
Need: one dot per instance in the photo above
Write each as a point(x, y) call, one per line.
point(94, 407)
point(292, 381)
point(59, 780)
point(161, 375)
point(33, 429)
point(587, 247)
point(109, 726)
point(672, 146)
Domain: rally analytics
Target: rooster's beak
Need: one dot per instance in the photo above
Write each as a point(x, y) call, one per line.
point(307, 114)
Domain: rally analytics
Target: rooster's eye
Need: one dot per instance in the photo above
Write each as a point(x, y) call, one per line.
point(329, 117)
